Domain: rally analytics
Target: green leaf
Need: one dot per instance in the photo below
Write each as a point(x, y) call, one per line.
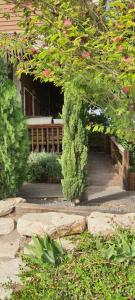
point(37, 246)
point(133, 248)
point(126, 247)
point(57, 245)
point(99, 245)
point(110, 252)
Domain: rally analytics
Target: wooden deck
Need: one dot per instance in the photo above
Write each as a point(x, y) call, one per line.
point(46, 138)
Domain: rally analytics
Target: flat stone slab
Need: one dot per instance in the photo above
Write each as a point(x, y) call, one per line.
point(7, 205)
point(106, 224)
point(52, 223)
point(9, 271)
point(6, 225)
point(9, 249)
point(67, 245)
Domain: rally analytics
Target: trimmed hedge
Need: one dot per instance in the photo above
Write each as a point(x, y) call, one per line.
point(44, 167)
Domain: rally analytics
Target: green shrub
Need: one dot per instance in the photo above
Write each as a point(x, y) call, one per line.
point(46, 250)
point(122, 248)
point(130, 146)
point(75, 141)
point(83, 274)
point(13, 137)
point(44, 167)
point(132, 169)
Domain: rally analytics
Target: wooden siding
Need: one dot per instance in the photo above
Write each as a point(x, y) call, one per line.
point(9, 25)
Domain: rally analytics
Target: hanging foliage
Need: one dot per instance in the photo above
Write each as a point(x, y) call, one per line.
point(61, 39)
point(64, 39)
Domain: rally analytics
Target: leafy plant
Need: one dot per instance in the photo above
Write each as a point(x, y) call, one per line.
point(87, 38)
point(130, 146)
point(123, 249)
point(46, 250)
point(13, 137)
point(85, 41)
point(44, 167)
point(132, 169)
point(75, 148)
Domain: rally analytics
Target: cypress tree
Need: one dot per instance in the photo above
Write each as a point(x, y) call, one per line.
point(13, 137)
point(75, 150)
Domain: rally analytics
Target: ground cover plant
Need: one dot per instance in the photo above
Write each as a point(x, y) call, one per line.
point(44, 167)
point(98, 268)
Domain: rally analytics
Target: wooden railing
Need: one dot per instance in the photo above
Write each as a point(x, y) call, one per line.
point(46, 138)
point(121, 158)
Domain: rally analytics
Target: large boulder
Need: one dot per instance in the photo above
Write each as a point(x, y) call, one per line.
point(8, 205)
point(125, 221)
point(15, 201)
point(100, 223)
point(106, 224)
point(9, 249)
point(5, 208)
point(6, 225)
point(52, 223)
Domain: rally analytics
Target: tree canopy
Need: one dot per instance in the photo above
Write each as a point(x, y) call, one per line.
point(66, 39)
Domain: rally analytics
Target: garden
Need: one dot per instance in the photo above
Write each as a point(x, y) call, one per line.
point(97, 268)
point(88, 50)
point(91, 58)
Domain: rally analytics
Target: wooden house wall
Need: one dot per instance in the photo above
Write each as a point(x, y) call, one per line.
point(8, 25)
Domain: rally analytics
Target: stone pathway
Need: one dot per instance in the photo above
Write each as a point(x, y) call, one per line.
point(102, 177)
point(8, 271)
point(37, 191)
point(105, 191)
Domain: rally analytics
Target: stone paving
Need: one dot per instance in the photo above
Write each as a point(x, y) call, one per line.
point(105, 191)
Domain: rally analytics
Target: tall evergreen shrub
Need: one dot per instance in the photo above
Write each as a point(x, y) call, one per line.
point(13, 137)
point(75, 151)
